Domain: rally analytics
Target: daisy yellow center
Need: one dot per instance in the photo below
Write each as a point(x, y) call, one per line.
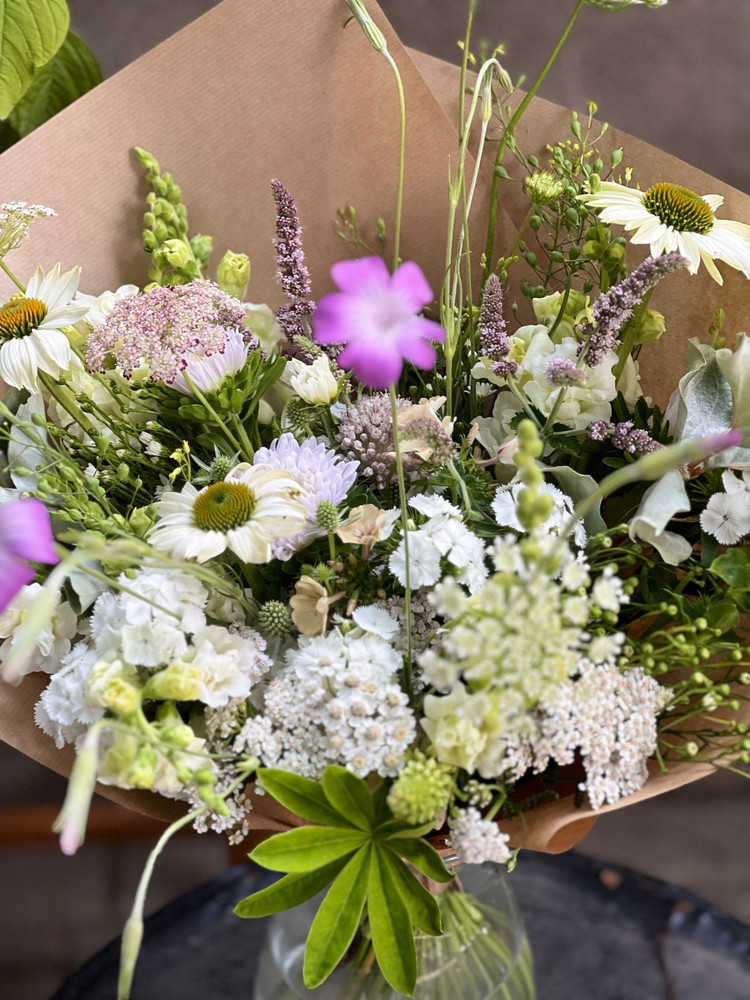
point(223, 506)
point(680, 208)
point(20, 316)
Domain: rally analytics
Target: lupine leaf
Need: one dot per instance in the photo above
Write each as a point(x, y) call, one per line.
point(289, 891)
point(424, 857)
point(349, 796)
point(301, 796)
point(31, 32)
point(307, 848)
point(424, 911)
point(337, 919)
point(391, 927)
point(400, 828)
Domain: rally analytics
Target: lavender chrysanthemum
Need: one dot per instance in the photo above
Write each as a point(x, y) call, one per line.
point(322, 475)
point(366, 436)
point(614, 308)
point(564, 372)
point(164, 328)
point(493, 332)
point(292, 270)
point(625, 437)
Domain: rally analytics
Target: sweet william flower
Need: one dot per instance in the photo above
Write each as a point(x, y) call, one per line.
point(25, 534)
point(376, 315)
point(727, 516)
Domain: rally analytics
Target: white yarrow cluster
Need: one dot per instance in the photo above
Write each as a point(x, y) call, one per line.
point(476, 840)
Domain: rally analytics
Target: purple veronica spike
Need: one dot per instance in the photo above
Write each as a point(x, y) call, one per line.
point(376, 315)
point(25, 534)
point(290, 258)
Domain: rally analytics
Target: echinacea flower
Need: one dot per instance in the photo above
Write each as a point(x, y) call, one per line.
point(244, 514)
point(31, 328)
point(727, 517)
point(376, 315)
point(25, 534)
point(669, 218)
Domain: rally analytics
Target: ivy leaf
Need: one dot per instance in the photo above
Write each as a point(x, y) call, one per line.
point(289, 891)
point(307, 848)
point(422, 855)
point(349, 796)
point(70, 74)
point(424, 911)
point(31, 32)
point(301, 796)
point(337, 920)
point(733, 567)
point(390, 926)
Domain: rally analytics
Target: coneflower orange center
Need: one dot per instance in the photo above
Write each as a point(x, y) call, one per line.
point(20, 316)
point(680, 208)
point(223, 506)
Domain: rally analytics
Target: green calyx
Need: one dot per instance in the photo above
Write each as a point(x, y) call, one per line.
point(223, 506)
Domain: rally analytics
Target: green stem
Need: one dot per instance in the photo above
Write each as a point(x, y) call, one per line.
point(217, 419)
point(405, 534)
point(401, 158)
point(247, 445)
point(508, 134)
point(12, 276)
point(65, 398)
point(631, 333)
point(464, 67)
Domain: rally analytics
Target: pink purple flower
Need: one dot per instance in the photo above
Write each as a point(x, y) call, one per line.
point(376, 315)
point(564, 372)
point(493, 332)
point(25, 536)
point(290, 259)
point(625, 436)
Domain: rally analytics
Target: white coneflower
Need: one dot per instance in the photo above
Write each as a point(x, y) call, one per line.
point(727, 516)
point(669, 218)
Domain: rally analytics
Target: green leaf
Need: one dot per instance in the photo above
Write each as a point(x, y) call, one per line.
point(733, 567)
point(337, 919)
point(391, 927)
point(723, 616)
point(31, 32)
point(349, 796)
point(306, 848)
point(424, 911)
point(579, 487)
point(70, 74)
point(400, 828)
point(736, 368)
point(301, 796)
point(289, 891)
point(423, 856)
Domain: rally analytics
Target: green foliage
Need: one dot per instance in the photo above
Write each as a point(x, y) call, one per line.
point(358, 849)
point(733, 567)
point(31, 32)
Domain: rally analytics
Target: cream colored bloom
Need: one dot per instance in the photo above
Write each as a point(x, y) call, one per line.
point(367, 525)
point(315, 383)
point(261, 320)
point(425, 409)
point(669, 218)
point(53, 641)
point(244, 514)
point(310, 606)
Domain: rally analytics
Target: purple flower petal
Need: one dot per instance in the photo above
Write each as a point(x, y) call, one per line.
point(378, 368)
point(332, 319)
point(25, 531)
point(419, 352)
point(14, 577)
point(428, 329)
point(356, 276)
point(409, 281)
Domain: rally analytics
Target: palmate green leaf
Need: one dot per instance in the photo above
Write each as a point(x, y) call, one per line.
point(400, 828)
point(337, 920)
point(301, 796)
point(307, 848)
point(31, 32)
point(391, 927)
point(349, 796)
point(289, 891)
point(424, 911)
point(422, 855)
point(70, 74)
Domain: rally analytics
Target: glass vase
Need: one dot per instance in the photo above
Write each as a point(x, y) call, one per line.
point(483, 954)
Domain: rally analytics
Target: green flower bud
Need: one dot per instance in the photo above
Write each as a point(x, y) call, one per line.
point(275, 620)
point(327, 516)
point(121, 697)
point(143, 771)
point(233, 274)
point(421, 791)
point(178, 682)
point(543, 188)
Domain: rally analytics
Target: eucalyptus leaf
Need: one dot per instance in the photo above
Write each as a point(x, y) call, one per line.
point(337, 919)
point(349, 796)
point(22, 450)
point(391, 927)
point(708, 402)
point(31, 32)
point(424, 911)
point(422, 856)
point(70, 74)
point(307, 848)
point(301, 796)
point(289, 891)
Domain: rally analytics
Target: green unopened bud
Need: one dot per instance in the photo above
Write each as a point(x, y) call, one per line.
point(131, 946)
point(178, 736)
point(275, 620)
point(121, 697)
point(374, 35)
point(143, 771)
point(543, 188)
point(652, 327)
point(179, 682)
point(205, 776)
point(691, 749)
point(176, 252)
point(233, 274)
point(327, 516)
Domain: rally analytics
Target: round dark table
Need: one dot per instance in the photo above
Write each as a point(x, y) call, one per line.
point(598, 932)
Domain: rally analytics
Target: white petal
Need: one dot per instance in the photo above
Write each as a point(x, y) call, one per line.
point(19, 364)
point(53, 348)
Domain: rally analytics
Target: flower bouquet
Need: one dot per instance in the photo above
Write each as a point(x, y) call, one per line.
point(408, 574)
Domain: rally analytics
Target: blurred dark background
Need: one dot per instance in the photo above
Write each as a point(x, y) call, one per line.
point(677, 77)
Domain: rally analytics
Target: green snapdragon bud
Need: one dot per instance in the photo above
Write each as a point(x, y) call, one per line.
point(233, 274)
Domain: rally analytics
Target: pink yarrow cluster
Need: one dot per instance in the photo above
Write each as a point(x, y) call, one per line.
point(164, 327)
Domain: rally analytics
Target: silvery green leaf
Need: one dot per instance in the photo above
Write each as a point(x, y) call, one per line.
point(698, 355)
point(708, 401)
point(736, 368)
point(21, 449)
point(579, 487)
point(7, 495)
point(659, 505)
point(86, 587)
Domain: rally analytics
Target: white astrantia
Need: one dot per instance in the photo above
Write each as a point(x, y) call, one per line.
point(337, 701)
point(63, 710)
point(476, 840)
point(505, 510)
point(31, 329)
point(53, 641)
point(243, 514)
point(727, 516)
point(314, 383)
point(668, 218)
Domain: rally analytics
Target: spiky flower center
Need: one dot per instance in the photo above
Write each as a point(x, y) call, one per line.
point(20, 316)
point(680, 208)
point(223, 506)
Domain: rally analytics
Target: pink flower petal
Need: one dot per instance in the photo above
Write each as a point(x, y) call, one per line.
point(428, 329)
point(332, 323)
point(14, 576)
point(376, 367)
point(419, 352)
point(25, 531)
point(409, 281)
point(357, 276)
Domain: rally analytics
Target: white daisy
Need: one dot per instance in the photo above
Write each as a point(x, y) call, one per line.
point(244, 514)
point(670, 218)
point(31, 328)
point(727, 517)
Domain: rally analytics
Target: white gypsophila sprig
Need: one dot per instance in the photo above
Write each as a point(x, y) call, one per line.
point(16, 218)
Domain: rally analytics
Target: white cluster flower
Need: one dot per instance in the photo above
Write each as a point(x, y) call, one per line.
point(16, 218)
point(505, 509)
point(336, 702)
point(727, 515)
point(476, 840)
point(442, 536)
point(63, 711)
point(53, 641)
point(236, 824)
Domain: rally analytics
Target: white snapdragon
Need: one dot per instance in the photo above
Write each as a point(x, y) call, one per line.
point(53, 641)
